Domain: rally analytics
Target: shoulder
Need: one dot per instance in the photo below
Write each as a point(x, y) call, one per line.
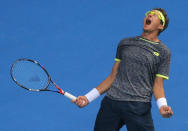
point(125, 41)
point(166, 51)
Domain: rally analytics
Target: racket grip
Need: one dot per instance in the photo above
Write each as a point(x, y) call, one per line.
point(70, 96)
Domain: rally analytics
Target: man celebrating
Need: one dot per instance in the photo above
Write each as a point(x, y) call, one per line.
point(141, 65)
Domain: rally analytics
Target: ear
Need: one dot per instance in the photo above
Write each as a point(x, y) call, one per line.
point(160, 27)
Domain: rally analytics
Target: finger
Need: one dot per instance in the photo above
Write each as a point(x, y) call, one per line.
point(81, 102)
point(77, 102)
point(79, 99)
point(167, 114)
point(169, 110)
point(84, 103)
point(73, 101)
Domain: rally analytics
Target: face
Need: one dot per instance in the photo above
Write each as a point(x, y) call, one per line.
point(152, 22)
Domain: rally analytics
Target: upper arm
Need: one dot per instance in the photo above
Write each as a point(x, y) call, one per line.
point(117, 61)
point(158, 82)
point(158, 90)
point(115, 69)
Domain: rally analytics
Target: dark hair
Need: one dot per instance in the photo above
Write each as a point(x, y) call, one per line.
point(166, 19)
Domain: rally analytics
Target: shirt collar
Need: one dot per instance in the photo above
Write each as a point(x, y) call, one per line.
point(149, 41)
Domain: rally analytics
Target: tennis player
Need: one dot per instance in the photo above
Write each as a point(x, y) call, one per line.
point(141, 65)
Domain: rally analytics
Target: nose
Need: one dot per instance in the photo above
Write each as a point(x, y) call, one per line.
point(150, 15)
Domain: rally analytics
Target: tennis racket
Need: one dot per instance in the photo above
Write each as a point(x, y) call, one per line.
point(32, 76)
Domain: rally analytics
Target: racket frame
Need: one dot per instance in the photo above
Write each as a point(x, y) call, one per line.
point(35, 62)
point(68, 95)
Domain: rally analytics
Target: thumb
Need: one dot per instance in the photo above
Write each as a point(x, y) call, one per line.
point(73, 100)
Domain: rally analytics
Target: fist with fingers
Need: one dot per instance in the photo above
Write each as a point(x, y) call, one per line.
point(81, 101)
point(166, 111)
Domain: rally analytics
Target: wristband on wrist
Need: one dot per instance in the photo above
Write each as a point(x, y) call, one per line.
point(92, 95)
point(161, 102)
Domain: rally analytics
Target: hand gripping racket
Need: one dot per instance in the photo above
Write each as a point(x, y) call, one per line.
point(32, 76)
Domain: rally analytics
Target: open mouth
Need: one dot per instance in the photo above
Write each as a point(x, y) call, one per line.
point(148, 21)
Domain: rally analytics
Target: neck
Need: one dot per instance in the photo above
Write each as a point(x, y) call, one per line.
point(150, 36)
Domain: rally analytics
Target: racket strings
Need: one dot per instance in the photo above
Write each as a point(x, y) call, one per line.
point(30, 75)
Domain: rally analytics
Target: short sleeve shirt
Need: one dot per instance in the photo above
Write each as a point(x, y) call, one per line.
point(141, 61)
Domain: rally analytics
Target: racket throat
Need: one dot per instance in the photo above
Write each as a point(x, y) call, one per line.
point(60, 90)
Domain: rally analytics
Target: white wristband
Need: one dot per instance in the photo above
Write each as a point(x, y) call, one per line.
point(92, 95)
point(161, 102)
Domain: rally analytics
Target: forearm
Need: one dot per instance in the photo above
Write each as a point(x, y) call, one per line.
point(158, 92)
point(158, 89)
point(106, 84)
point(99, 90)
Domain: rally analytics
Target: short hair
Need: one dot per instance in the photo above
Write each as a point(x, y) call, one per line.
point(166, 19)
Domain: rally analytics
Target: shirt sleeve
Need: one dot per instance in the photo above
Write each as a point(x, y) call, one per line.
point(118, 54)
point(164, 67)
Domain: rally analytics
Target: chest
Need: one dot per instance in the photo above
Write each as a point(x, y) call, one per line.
point(141, 54)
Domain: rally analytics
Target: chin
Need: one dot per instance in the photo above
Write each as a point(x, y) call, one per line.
point(147, 31)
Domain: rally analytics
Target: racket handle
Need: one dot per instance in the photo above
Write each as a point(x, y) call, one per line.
point(70, 96)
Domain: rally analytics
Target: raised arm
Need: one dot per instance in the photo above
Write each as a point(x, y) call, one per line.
point(159, 95)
